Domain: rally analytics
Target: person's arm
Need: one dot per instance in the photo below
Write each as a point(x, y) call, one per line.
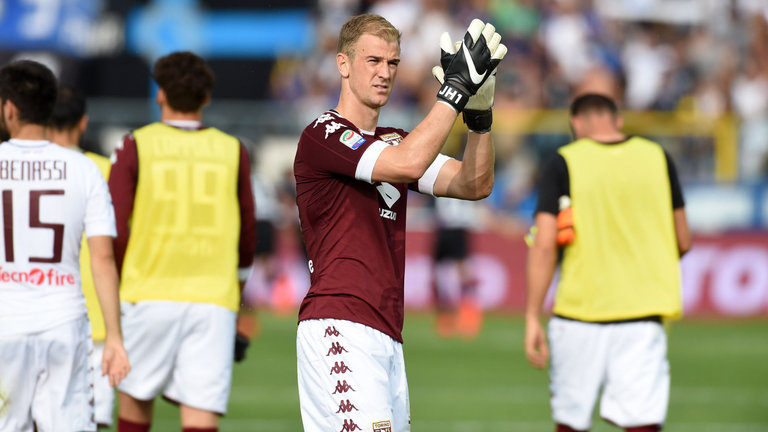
point(114, 362)
point(472, 177)
point(480, 51)
point(123, 177)
point(540, 268)
point(408, 161)
point(247, 243)
point(682, 232)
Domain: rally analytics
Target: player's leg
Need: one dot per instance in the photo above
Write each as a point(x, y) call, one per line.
point(198, 420)
point(345, 374)
point(637, 384)
point(19, 368)
point(577, 369)
point(151, 331)
point(63, 399)
point(202, 377)
point(135, 415)
point(401, 403)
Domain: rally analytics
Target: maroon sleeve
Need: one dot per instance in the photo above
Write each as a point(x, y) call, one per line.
point(122, 186)
point(247, 212)
point(332, 145)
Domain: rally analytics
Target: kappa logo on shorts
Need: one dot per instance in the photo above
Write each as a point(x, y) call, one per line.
point(331, 331)
point(382, 426)
point(339, 368)
point(342, 387)
point(351, 139)
point(349, 426)
point(336, 349)
point(393, 138)
point(346, 406)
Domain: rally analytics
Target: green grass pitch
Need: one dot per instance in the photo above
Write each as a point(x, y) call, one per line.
point(719, 380)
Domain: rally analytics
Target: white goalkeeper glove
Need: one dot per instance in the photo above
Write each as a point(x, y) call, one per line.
point(477, 112)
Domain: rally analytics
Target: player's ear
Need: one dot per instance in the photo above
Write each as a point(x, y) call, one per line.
point(575, 128)
point(207, 100)
point(343, 64)
point(618, 122)
point(82, 125)
point(160, 98)
point(9, 109)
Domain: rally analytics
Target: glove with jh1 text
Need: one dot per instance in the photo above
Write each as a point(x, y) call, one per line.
point(476, 112)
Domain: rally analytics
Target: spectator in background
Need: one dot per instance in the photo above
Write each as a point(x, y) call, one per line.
point(456, 314)
point(185, 244)
point(615, 206)
point(66, 126)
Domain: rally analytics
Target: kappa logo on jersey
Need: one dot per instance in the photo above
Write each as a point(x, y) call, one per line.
point(393, 138)
point(342, 387)
point(351, 139)
point(38, 277)
point(339, 368)
point(331, 128)
point(382, 426)
point(349, 426)
point(346, 406)
point(322, 119)
point(331, 331)
point(336, 349)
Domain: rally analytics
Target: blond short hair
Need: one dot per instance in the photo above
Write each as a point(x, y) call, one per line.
point(365, 24)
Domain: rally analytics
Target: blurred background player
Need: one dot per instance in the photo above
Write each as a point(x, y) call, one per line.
point(186, 239)
point(49, 195)
point(620, 273)
point(457, 312)
point(65, 128)
point(352, 181)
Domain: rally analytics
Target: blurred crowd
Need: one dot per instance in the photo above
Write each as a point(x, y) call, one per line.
point(704, 56)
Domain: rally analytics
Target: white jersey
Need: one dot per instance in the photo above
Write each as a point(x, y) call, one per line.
point(48, 196)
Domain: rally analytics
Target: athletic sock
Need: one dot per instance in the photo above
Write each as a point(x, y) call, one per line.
point(191, 429)
point(646, 428)
point(564, 428)
point(124, 425)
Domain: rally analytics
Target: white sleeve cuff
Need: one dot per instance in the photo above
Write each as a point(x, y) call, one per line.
point(243, 273)
point(427, 181)
point(366, 163)
point(100, 229)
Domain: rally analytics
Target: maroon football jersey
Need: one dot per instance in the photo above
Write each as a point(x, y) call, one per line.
point(354, 230)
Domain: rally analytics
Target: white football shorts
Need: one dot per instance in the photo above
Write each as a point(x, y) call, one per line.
point(46, 378)
point(351, 377)
point(628, 361)
point(103, 393)
point(184, 350)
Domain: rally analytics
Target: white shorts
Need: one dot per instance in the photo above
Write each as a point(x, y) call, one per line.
point(104, 394)
point(351, 377)
point(628, 361)
point(184, 350)
point(45, 378)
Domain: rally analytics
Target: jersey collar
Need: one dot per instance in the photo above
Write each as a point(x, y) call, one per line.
point(184, 124)
point(28, 143)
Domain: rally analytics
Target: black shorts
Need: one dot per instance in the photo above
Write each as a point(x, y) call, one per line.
point(451, 244)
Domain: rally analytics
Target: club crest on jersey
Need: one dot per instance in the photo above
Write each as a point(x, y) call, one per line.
point(351, 139)
point(382, 426)
point(393, 138)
